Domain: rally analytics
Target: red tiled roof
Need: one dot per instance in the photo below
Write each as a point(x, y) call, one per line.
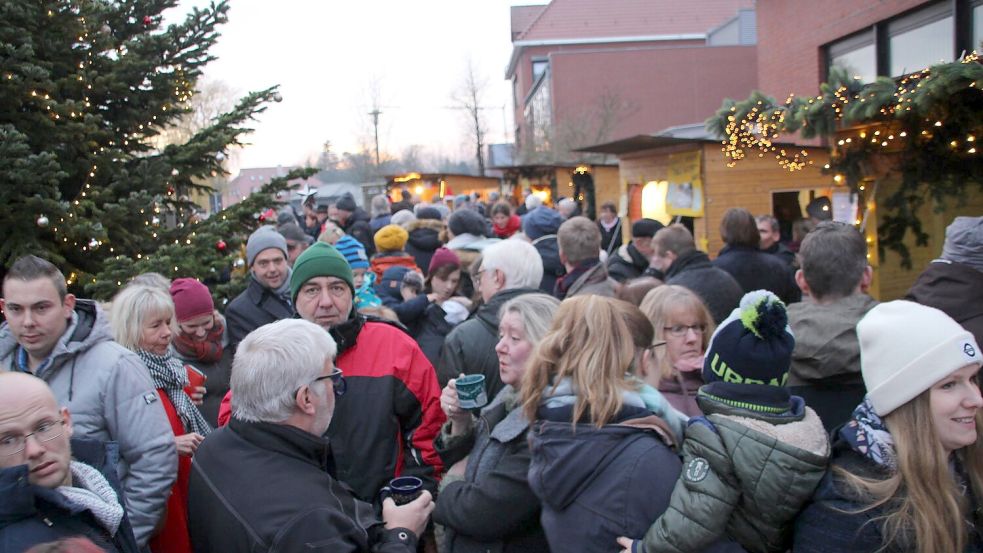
point(522, 16)
point(585, 19)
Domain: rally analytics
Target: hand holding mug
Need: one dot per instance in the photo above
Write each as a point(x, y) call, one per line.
point(451, 405)
point(412, 516)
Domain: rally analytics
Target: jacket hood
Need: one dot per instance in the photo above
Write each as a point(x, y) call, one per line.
point(826, 341)
point(88, 327)
point(424, 234)
point(954, 288)
point(689, 261)
point(571, 457)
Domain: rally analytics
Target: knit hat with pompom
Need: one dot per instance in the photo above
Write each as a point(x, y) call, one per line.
point(753, 345)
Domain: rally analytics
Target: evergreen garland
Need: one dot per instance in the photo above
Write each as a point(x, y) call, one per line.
point(927, 123)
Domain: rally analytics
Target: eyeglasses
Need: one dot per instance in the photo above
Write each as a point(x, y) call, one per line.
point(12, 444)
point(337, 380)
point(678, 331)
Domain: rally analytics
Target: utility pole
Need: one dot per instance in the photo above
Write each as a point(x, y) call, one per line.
point(375, 113)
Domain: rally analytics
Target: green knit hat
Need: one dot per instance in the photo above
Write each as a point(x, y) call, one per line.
point(319, 260)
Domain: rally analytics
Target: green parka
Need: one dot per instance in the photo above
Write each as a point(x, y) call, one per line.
point(746, 474)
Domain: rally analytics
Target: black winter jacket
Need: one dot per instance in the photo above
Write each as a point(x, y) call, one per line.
point(268, 487)
point(597, 484)
point(549, 252)
point(470, 347)
point(423, 241)
point(719, 291)
point(492, 509)
point(256, 306)
point(359, 227)
point(956, 289)
point(30, 514)
point(754, 269)
point(627, 263)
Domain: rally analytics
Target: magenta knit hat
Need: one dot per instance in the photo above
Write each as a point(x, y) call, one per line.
point(191, 299)
point(442, 257)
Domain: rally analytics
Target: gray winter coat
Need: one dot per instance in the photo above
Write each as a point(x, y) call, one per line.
point(110, 396)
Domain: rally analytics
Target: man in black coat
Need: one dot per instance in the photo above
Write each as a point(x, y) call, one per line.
point(771, 235)
point(675, 254)
point(631, 260)
point(752, 268)
point(509, 269)
point(299, 505)
point(267, 297)
point(354, 221)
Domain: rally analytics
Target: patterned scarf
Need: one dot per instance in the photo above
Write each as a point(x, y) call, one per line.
point(868, 436)
point(207, 351)
point(169, 374)
point(91, 491)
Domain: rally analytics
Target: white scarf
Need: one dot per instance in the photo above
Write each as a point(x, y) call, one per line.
point(92, 491)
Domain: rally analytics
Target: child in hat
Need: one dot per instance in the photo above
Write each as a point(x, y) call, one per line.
point(389, 242)
point(758, 453)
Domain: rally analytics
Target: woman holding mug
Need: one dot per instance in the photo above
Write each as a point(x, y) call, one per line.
point(141, 320)
point(682, 321)
point(907, 470)
point(492, 507)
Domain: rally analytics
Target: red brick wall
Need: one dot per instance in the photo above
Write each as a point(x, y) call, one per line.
point(791, 34)
point(666, 86)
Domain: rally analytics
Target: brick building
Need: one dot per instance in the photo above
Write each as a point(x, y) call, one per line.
point(584, 71)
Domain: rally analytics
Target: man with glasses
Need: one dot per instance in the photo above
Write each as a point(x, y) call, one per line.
point(674, 254)
point(66, 342)
point(391, 414)
point(52, 485)
point(265, 481)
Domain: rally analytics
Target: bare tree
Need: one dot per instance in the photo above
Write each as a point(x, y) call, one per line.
point(468, 97)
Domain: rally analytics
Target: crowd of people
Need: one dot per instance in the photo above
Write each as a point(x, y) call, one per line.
point(641, 397)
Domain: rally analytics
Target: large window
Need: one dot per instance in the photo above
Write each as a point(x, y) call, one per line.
point(856, 55)
point(978, 26)
point(910, 42)
point(921, 39)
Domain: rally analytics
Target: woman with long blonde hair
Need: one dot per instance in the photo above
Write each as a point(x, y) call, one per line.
point(907, 469)
point(681, 320)
point(603, 462)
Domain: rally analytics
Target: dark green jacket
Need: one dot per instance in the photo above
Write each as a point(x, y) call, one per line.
point(745, 475)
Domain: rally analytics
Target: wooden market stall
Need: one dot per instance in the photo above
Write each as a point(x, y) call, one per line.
point(431, 187)
point(552, 182)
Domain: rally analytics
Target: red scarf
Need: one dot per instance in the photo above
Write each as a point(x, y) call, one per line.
point(207, 351)
point(511, 227)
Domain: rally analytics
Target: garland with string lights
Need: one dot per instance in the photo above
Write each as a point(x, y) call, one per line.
point(85, 87)
point(926, 124)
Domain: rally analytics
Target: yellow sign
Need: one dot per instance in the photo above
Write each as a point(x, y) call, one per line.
point(684, 195)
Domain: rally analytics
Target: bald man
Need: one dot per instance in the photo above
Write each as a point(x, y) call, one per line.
point(72, 488)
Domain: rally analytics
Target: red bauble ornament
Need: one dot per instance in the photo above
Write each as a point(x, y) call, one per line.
point(147, 20)
point(221, 245)
point(262, 217)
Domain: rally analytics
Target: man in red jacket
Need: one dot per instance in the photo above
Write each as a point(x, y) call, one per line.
point(384, 426)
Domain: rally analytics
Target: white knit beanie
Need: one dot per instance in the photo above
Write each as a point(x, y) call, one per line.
point(906, 347)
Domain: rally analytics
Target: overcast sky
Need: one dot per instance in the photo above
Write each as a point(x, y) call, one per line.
point(328, 55)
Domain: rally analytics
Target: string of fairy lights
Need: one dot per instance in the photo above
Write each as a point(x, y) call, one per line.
point(762, 124)
point(65, 110)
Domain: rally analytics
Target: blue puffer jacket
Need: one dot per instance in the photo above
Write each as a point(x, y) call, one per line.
point(30, 514)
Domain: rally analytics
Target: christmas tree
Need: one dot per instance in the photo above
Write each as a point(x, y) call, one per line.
point(85, 87)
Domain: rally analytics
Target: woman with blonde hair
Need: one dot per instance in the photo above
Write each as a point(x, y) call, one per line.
point(907, 470)
point(141, 320)
point(490, 504)
point(603, 463)
point(682, 321)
